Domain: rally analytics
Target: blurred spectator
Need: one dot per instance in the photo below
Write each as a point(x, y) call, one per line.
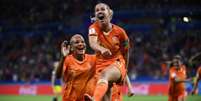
point(29, 40)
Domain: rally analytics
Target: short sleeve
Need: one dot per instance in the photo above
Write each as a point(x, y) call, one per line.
point(92, 31)
point(66, 64)
point(123, 35)
point(124, 40)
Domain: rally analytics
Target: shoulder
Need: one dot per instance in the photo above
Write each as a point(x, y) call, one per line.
point(120, 32)
point(68, 58)
point(91, 56)
point(93, 25)
point(118, 28)
point(91, 59)
point(93, 28)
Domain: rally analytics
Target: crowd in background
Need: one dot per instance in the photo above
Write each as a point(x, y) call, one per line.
point(25, 58)
point(30, 57)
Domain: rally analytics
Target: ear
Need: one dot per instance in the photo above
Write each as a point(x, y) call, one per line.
point(111, 13)
point(71, 48)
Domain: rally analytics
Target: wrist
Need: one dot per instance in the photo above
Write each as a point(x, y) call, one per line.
point(62, 57)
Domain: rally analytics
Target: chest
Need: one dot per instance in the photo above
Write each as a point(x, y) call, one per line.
point(79, 67)
point(112, 38)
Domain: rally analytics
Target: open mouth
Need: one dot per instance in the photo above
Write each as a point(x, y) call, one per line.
point(80, 48)
point(101, 16)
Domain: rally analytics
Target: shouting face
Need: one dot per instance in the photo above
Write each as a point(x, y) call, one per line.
point(103, 13)
point(78, 45)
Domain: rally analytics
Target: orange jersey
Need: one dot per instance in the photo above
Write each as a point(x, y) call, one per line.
point(199, 73)
point(113, 41)
point(76, 74)
point(177, 89)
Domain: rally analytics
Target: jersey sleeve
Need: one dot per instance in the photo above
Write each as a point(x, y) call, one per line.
point(124, 40)
point(92, 31)
point(66, 64)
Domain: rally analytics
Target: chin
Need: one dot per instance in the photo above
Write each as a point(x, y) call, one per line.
point(103, 23)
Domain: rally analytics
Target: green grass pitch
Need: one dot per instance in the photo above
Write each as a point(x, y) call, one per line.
point(49, 98)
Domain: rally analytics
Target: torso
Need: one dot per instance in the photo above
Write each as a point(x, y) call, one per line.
point(111, 40)
point(177, 88)
point(76, 75)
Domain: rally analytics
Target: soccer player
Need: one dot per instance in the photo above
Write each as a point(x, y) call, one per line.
point(56, 73)
point(77, 70)
point(177, 78)
point(56, 84)
point(196, 81)
point(111, 45)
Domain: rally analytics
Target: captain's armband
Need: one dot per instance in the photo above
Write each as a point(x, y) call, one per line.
point(92, 32)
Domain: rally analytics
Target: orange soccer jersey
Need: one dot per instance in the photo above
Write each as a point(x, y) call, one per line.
point(199, 73)
point(76, 75)
point(115, 42)
point(176, 89)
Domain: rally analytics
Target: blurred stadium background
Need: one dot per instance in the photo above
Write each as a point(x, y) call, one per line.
point(31, 32)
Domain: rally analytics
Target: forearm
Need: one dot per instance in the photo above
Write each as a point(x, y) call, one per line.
point(93, 42)
point(59, 69)
point(129, 84)
point(53, 77)
point(126, 58)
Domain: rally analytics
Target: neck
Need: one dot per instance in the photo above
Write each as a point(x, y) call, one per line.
point(79, 57)
point(106, 27)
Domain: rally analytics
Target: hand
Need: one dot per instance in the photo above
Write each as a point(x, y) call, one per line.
point(130, 94)
point(65, 48)
point(106, 52)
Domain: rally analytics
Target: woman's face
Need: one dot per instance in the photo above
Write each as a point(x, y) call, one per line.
point(78, 45)
point(102, 13)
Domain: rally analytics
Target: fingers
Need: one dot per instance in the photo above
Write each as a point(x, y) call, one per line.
point(106, 52)
point(65, 43)
point(109, 52)
point(65, 48)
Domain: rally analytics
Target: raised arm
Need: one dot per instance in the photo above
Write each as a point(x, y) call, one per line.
point(93, 42)
point(57, 72)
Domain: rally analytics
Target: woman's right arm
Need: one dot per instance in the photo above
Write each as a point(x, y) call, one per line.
point(93, 42)
point(65, 50)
